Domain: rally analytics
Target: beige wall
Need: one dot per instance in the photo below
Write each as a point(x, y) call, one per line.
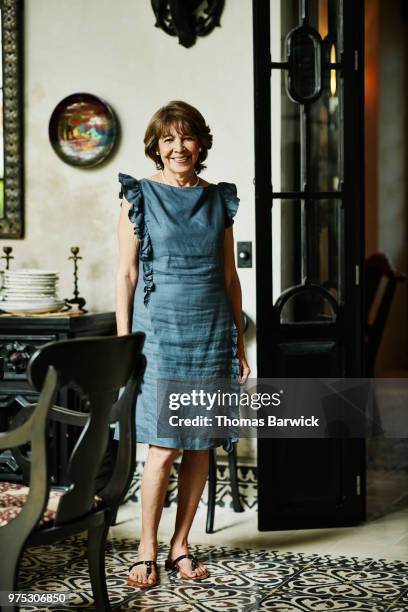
point(112, 49)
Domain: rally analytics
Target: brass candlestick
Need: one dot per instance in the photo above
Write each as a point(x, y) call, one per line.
point(79, 301)
point(7, 256)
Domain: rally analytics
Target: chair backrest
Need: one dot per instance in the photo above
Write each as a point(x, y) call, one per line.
point(380, 284)
point(97, 368)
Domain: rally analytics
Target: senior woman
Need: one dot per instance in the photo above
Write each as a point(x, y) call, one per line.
point(175, 231)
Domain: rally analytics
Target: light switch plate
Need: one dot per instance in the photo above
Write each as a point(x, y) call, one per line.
point(244, 254)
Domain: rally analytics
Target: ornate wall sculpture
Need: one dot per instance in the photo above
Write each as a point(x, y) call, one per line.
point(187, 19)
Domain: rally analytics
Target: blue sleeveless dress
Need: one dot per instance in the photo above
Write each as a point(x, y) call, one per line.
point(180, 301)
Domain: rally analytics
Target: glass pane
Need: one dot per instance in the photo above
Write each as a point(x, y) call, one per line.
point(325, 227)
point(311, 237)
point(308, 236)
point(325, 17)
point(310, 135)
point(290, 171)
point(307, 306)
point(287, 225)
point(289, 19)
point(324, 171)
point(325, 114)
point(320, 16)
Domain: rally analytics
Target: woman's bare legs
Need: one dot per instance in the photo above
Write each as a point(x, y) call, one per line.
point(153, 490)
point(191, 481)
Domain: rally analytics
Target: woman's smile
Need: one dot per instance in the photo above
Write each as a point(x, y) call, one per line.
point(181, 160)
point(179, 152)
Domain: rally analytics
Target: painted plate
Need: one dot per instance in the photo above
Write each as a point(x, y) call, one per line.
point(83, 130)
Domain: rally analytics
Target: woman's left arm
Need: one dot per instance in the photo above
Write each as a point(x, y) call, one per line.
point(233, 287)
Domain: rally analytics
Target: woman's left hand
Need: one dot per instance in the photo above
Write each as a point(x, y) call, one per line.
point(244, 369)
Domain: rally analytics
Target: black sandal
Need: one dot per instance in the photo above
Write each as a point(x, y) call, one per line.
point(149, 565)
point(173, 566)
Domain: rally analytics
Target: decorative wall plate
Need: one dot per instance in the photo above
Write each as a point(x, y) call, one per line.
point(83, 130)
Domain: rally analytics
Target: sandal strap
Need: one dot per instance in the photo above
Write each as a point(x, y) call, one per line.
point(148, 565)
point(191, 557)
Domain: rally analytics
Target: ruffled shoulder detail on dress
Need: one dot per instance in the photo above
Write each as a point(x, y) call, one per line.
point(231, 200)
point(131, 189)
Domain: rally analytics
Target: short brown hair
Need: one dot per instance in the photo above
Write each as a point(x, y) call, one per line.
point(188, 120)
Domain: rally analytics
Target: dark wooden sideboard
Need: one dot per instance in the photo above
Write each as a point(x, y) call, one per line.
point(20, 337)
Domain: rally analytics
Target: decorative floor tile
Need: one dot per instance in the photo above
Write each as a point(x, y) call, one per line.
point(203, 594)
point(403, 600)
point(240, 580)
point(384, 585)
point(298, 602)
point(178, 607)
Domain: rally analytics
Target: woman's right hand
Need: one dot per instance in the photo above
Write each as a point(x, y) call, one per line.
point(244, 369)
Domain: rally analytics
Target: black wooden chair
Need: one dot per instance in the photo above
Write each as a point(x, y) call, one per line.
point(97, 368)
point(381, 280)
point(233, 471)
point(212, 486)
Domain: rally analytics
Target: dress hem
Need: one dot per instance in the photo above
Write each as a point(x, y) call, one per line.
point(226, 444)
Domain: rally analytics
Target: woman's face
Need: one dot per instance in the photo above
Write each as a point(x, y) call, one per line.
point(178, 152)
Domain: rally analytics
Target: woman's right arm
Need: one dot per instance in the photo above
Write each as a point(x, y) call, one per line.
point(127, 272)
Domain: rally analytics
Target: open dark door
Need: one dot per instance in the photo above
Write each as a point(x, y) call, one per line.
point(309, 243)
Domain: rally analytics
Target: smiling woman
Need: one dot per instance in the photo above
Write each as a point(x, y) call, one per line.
point(189, 307)
point(171, 127)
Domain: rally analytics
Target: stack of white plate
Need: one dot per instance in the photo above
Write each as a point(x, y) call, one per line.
point(30, 291)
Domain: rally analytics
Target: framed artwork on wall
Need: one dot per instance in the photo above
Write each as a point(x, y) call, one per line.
point(11, 120)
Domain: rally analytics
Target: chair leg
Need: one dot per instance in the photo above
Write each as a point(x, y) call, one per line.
point(114, 517)
point(8, 576)
point(96, 560)
point(212, 488)
point(232, 464)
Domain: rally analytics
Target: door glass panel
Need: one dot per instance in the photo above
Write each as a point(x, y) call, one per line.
point(325, 245)
point(311, 245)
point(290, 143)
point(324, 173)
point(323, 15)
point(290, 253)
point(325, 113)
point(289, 21)
point(309, 232)
point(311, 146)
point(307, 306)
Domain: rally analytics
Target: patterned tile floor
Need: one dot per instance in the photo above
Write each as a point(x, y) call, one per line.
point(240, 580)
point(289, 571)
